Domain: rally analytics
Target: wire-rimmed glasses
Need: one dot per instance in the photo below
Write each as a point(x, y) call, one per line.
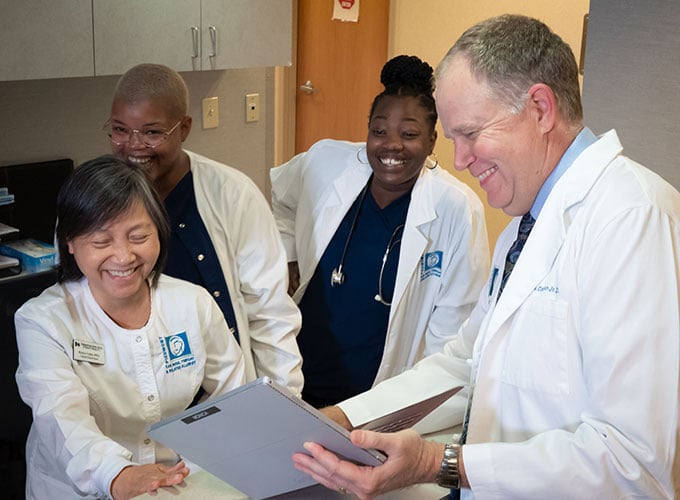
point(151, 137)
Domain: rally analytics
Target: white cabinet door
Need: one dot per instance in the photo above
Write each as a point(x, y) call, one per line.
point(55, 39)
point(45, 39)
point(246, 33)
point(130, 32)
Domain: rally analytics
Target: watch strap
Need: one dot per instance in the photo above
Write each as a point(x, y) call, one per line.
point(449, 473)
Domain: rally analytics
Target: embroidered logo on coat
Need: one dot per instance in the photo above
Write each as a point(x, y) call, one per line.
point(431, 265)
point(177, 352)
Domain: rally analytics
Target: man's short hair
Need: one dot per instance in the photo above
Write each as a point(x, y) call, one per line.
point(512, 53)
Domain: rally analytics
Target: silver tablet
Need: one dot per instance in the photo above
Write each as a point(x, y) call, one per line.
point(247, 436)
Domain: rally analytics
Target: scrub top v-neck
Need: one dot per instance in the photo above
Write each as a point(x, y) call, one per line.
point(191, 253)
point(344, 326)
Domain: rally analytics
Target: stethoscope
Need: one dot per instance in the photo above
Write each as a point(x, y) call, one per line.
point(338, 276)
point(390, 245)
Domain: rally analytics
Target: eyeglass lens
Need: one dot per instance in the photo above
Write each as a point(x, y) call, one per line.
point(150, 137)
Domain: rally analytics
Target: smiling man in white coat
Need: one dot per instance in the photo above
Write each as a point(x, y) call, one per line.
point(572, 362)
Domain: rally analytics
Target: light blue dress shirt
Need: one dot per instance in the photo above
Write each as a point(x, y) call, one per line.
point(584, 139)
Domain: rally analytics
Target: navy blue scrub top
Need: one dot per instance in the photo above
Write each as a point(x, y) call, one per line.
point(191, 253)
point(343, 327)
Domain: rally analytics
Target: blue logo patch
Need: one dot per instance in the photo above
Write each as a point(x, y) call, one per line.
point(177, 352)
point(431, 265)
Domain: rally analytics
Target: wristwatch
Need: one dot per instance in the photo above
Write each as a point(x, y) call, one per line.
point(449, 473)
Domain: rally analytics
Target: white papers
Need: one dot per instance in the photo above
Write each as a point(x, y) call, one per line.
point(5, 197)
point(6, 229)
point(6, 262)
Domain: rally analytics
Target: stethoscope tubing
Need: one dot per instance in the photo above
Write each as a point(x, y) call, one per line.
point(337, 275)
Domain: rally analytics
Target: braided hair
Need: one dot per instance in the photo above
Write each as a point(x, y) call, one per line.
point(408, 76)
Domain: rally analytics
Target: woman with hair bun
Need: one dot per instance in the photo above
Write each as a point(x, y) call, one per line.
point(387, 251)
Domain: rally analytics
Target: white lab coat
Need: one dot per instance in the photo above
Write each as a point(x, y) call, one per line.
point(90, 419)
point(248, 246)
point(576, 366)
point(312, 193)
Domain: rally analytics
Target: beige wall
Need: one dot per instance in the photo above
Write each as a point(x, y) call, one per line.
point(49, 119)
point(62, 118)
point(428, 28)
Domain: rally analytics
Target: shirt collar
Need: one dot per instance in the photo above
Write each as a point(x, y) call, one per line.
point(584, 139)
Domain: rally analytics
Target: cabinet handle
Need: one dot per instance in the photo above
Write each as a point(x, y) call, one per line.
point(213, 40)
point(194, 40)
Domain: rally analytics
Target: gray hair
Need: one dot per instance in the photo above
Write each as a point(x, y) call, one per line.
point(98, 192)
point(512, 53)
point(154, 82)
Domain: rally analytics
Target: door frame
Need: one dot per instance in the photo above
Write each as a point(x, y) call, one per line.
point(285, 83)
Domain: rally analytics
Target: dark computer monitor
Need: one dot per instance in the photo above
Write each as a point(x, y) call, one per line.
point(35, 187)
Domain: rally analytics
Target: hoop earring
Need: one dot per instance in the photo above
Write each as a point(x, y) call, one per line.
point(436, 161)
point(359, 158)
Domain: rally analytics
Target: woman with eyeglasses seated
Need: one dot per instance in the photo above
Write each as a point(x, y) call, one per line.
point(115, 345)
point(387, 251)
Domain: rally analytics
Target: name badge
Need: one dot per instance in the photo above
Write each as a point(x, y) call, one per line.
point(90, 352)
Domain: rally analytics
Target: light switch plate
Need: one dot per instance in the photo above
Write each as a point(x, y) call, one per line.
point(252, 107)
point(211, 114)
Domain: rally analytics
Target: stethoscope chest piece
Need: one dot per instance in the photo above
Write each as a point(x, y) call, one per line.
point(337, 276)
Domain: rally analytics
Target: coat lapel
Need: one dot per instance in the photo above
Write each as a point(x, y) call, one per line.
point(341, 194)
point(421, 211)
point(550, 230)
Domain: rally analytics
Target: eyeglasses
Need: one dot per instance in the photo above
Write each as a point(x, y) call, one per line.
point(151, 137)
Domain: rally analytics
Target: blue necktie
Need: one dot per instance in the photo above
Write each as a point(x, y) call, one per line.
point(525, 227)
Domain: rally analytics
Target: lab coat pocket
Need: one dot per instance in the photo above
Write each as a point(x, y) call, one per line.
point(536, 351)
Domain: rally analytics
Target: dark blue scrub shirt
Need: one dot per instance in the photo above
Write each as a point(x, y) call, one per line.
point(191, 253)
point(343, 326)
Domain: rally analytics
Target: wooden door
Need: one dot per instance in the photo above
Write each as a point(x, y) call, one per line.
point(342, 60)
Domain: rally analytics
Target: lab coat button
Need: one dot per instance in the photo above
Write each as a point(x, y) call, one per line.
point(147, 441)
point(150, 397)
point(138, 339)
point(200, 257)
